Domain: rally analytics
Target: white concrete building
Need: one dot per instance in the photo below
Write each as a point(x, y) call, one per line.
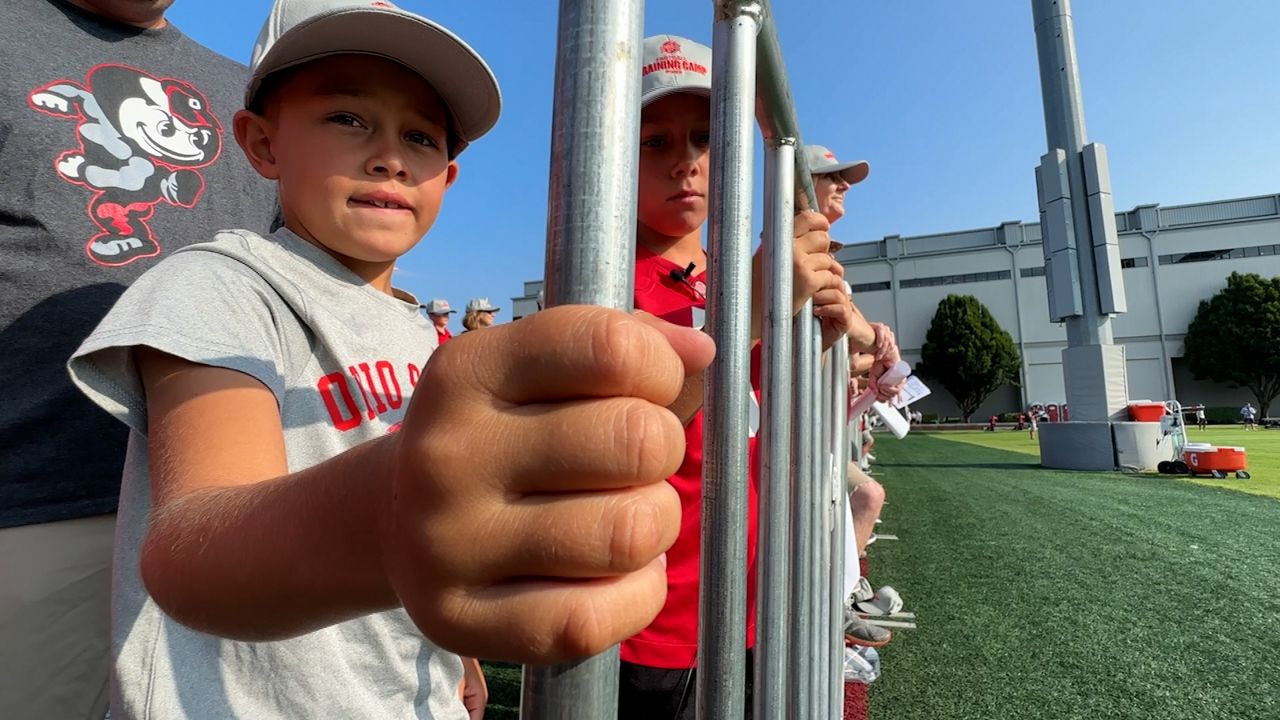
point(1173, 257)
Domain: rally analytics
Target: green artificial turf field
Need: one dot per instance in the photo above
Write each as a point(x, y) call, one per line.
point(1055, 595)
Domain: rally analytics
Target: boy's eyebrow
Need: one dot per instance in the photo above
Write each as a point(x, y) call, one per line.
point(352, 91)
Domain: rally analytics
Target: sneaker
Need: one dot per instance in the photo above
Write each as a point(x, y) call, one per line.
point(861, 592)
point(861, 664)
point(861, 633)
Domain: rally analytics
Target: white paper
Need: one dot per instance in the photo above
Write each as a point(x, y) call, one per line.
point(911, 392)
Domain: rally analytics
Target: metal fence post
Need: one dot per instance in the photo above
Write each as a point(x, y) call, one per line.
point(840, 506)
point(800, 661)
point(773, 562)
point(722, 605)
point(820, 510)
point(591, 222)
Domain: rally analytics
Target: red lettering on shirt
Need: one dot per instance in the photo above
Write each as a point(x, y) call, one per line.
point(341, 420)
point(368, 406)
point(380, 389)
point(390, 385)
point(368, 382)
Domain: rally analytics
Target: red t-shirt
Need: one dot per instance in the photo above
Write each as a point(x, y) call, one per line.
point(443, 336)
point(671, 641)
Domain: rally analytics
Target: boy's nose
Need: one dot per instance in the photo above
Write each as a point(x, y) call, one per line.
point(386, 158)
point(687, 164)
point(386, 163)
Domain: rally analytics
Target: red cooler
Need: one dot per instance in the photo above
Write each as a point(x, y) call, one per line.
point(1146, 411)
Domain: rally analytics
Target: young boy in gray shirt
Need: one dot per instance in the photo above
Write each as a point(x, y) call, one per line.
point(297, 538)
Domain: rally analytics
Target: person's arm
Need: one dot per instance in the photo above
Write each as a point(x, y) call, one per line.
point(861, 364)
point(488, 556)
point(862, 334)
point(474, 690)
point(238, 546)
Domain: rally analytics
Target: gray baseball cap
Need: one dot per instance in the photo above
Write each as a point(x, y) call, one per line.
point(438, 307)
point(672, 64)
point(298, 31)
point(822, 162)
point(481, 305)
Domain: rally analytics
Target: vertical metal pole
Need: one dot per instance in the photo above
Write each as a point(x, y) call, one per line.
point(1064, 129)
point(840, 506)
point(591, 222)
point(803, 492)
point(722, 606)
point(820, 562)
point(770, 701)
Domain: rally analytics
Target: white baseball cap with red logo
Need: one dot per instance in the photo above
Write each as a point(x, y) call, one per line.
point(671, 64)
point(823, 162)
point(298, 31)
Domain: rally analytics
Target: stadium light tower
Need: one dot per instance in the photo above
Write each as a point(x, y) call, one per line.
point(1081, 254)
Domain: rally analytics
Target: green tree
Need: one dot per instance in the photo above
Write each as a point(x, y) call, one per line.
point(968, 352)
point(1235, 337)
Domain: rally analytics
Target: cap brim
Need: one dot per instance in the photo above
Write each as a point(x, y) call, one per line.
point(659, 93)
point(852, 172)
point(456, 72)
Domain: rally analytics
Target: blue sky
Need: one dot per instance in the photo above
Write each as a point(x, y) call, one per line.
point(942, 98)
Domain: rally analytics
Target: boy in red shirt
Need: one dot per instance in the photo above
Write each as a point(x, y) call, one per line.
point(670, 282)
point(439, 311)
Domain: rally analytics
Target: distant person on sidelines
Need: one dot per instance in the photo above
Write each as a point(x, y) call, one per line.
point(439, 311)
point(1201, 421)
point(1248, 415)
point(479, 314)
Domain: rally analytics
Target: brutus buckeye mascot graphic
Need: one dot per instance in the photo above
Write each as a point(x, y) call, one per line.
point(143, 140)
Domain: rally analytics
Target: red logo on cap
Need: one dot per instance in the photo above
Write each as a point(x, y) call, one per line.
point(379, 3)
point(829, 155)
point(672, 62)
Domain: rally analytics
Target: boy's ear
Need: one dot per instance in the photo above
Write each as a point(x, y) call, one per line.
point(451, 173)
point(254, 134)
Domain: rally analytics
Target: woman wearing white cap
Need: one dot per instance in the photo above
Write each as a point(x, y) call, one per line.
point(832, 179)
point(479, 314)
